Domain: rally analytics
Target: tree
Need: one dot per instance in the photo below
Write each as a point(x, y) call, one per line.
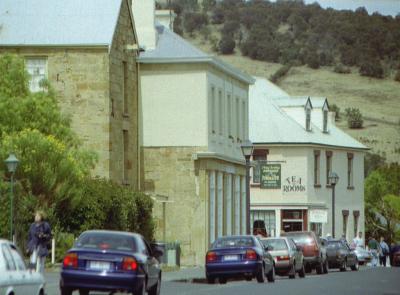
point(382, 201)
point(194, 21)
point(227, 45)
point(372, 69)
point(354, 118)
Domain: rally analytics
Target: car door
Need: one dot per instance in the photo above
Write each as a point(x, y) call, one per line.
point(29, 284)
point(351, 255)
point(154, 264)
point(297, 254)
point(150, 262)
point(13, 276)
point(267, 257)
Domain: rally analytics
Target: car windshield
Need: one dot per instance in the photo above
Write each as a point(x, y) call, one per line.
point(275, 244)
point(106, 241)
point(232, 242)
point(334, 245)
point(301, 238)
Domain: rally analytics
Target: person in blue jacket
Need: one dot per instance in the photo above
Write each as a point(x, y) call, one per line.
point(39, 241)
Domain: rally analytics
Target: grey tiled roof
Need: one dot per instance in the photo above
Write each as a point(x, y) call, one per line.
point(268, 123)
point(58, 22)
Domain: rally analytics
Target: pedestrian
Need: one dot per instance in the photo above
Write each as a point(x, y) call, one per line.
point(384, 252)
point(373, 245)
point(358, 240)
point(39, 239)
point(343, 239)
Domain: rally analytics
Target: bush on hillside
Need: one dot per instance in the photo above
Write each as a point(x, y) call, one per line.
point(397, 76)
point(194, 21)
point(341, 69)
point(312, 60)
point(227, 45)
point(354, 118)
point(336, 109)
point(372, 69)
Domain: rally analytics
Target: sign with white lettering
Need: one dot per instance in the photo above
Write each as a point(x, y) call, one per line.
point(318, 216)
point(293, 184)
point(270, 176)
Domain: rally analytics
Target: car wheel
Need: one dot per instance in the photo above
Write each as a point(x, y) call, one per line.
point(292, 272)
point(155, 290)
point(261, 275)
point(222, 280)
point(248, 278)
point(319, 268)
point(271, 275)
point(308, 269)
point(344, 266)
point(210, 279)
point(302, 272)
point(83, 292)
point(65, 291)
point(142, 290)
point(326, 266)
point(355, 267)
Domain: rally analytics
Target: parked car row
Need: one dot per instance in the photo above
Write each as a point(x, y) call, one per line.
point(293, 253)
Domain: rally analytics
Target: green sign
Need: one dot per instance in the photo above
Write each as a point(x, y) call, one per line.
point(270, 176)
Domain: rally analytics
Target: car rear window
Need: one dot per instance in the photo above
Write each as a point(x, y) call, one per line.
point(106, 241)
point(301, 238)
point(276, 244)
point(232, 242)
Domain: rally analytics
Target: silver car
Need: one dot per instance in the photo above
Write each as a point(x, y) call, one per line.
point(14, 277)
point(287, 255)
point(363, 256)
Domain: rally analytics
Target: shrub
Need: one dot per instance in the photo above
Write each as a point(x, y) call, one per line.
point(372, 69)
point(336, 109)
point(194, 21)
point(280, 73)
point(312, 60)
point(341, 69)
point(397, 76)
point(226, 45)
point(178, 26)
point(354, 118)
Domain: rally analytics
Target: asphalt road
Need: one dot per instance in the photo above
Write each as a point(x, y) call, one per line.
point(367, 281)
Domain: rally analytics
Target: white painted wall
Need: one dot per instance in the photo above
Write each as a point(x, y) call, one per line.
point(299, 161)
point(174, 106)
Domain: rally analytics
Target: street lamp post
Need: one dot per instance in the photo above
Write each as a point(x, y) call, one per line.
point(247, 150)
point(12, 163)
point(333, 180)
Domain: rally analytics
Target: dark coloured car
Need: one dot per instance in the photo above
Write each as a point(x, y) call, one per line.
point(111, 261)
point(313, 249)
point(287, 255)
point(239, 256)
point(340, 255)
point(395, 251)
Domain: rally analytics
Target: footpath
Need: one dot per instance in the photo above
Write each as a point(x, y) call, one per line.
point(185, 274)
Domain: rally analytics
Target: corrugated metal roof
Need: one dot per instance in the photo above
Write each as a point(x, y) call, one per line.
point(268, 123)
point(58, 22)
point(300, 101)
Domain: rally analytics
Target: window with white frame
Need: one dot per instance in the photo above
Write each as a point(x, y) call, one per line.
point(317, 179)
point(237, 118)
point(350, 157)
point(308, 119)
point(37, 69)
point(229, 102)
point(328, 166)
point(243, 121)
point(213, 110)
point(220, 112)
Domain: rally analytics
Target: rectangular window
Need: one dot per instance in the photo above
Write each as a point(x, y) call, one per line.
point(229, 115)
point(237, 118)
point(259, 156)
point(213, 111)
point(243, 121)
point(345, 214)
point(220, 112)
point(350, 170)
point(126, 156)
point(325, 123)
point(356, 215)
point(317, 180)
point(328, 166)
point(308, 119)
point(125, 87)
point(37, 70)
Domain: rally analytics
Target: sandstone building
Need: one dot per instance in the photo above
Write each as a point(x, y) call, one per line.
point(87, 50)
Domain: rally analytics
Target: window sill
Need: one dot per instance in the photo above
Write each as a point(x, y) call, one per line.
point(329, 186)
point(125, 115)
point(350, 187)
point(255, 185)
point(317, 185)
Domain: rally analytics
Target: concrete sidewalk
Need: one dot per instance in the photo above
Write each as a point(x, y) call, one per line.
point(185, 274)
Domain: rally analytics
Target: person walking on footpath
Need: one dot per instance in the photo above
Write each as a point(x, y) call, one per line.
point(373, 245)
point(384, 252)
point(39, 237)
point(358, 240)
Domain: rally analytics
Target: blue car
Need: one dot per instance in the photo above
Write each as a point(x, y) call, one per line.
point(111, 261)
point(239, 256)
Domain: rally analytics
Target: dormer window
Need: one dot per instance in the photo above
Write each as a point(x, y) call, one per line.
point(325, 112)
point(308, 108)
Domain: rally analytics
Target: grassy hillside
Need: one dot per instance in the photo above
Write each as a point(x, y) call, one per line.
point(377, 99)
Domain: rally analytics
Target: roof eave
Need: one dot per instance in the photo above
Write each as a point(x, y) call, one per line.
point(55, 45)
point(312, 144)
point(207, 59)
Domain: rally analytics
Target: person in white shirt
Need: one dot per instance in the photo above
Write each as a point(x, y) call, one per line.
point(358, 241)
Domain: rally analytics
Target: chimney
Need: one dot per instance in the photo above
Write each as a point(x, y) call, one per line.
point(144, 16)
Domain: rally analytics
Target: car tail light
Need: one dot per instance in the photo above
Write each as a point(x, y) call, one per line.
point(251, 255)
point(129, 263)
point(211, 257)
point(282, 258)
point(71, 260)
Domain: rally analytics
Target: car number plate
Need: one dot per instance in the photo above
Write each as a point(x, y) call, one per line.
point(99, 265)
point(231, 257)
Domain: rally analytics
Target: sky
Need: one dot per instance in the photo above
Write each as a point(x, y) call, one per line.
point(384, 7)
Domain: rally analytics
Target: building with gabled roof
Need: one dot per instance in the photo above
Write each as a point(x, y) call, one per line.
point(194, 111)
point(87, 50)
point(296, 146)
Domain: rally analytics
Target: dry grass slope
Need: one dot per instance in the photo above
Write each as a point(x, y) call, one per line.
point(378, 100)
